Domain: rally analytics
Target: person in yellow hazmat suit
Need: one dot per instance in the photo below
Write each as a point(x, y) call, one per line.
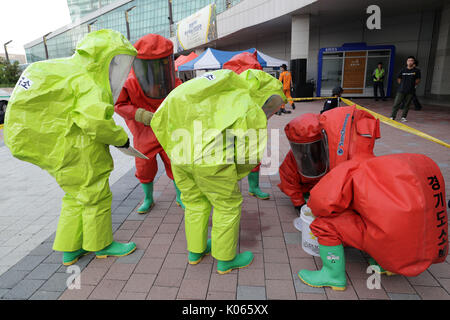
point(60, 119)
point(214, 129)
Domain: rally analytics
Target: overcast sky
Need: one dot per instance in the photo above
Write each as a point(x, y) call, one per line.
point(26, 20)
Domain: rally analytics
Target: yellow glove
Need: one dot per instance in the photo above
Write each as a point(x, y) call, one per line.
point(143, 116)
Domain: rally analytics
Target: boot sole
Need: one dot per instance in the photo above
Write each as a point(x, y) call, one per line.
point(254, 195)
point(111, 255)
point(228, 271)
point(332, 287)
point(149, 209)
point(199, 260)
point(76, 259)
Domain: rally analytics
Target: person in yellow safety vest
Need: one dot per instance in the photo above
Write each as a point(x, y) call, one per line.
point(378, 81)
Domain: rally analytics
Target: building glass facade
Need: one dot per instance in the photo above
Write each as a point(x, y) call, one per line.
point(79, 8)
point(149, 16)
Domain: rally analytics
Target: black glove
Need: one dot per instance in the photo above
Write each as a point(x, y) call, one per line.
point(126, 145)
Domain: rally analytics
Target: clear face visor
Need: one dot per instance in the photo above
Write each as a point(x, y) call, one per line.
point(272, 105)
point(156, 77)
point(119, 68)
point(312, 158)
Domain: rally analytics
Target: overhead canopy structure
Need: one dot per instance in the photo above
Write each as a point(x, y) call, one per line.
point(184, 59)
point(213, 59)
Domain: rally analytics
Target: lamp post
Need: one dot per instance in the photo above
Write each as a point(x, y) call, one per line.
point(89, 26)
point(128, 22)
point(6, 50)
point(44, 38)
point(170, 18)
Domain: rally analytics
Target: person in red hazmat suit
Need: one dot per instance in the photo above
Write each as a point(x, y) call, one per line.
point(150, 81)
point(351, 133)
point(240, 63)
point(392, 207)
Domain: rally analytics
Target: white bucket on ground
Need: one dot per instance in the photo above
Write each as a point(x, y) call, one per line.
point(309, 241)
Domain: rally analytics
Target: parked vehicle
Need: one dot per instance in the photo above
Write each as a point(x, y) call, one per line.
point(4, 98)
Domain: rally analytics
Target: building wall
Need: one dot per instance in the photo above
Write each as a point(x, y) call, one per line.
point(14, 57)
point(440, 83)
point(411, 34)
point(277, 45)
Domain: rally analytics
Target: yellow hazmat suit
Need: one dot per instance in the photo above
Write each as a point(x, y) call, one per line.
point(215, 131)
point(60, 119)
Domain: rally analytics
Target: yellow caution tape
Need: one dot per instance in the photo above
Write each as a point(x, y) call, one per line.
point(396, 124)
point(309, 99)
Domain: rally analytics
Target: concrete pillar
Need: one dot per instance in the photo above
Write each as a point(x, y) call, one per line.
point(299, 54)
point(300, 37)
point(441, 81)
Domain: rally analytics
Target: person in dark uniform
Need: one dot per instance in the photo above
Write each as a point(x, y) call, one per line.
point(417, 105)
point(333, 102)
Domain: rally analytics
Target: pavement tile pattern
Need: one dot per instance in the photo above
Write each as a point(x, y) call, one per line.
point(158, 270)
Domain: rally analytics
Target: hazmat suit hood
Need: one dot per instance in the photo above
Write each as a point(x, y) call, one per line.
point(265, 89)
point(154, 67)
point(109, 56)
point(242, 62)
point(309, 145)
point(351, 133)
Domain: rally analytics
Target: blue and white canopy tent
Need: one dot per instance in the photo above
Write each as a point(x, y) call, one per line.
point(213, 59)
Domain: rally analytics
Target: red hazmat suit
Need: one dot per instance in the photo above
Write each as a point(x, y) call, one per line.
point(351, 134)
point(240, 63)
point(132, 98)
point(391, 207)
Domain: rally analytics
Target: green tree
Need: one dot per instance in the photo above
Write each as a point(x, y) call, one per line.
point(9, 72)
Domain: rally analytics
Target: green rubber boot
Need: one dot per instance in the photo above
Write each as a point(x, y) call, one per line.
point(241, 260)
point(332, 273)
point(253, 187)
point(70, 258)
point(148, 200)
point(116, 249)
point(375, 264)
point(179, 202)
point(196, 258)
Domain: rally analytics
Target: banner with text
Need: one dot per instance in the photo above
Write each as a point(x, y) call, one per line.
point(197, 29)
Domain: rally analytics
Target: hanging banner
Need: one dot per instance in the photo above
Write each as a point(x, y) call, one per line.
point(197, 29)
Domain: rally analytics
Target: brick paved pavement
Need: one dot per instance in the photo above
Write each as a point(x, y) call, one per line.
point(159, 269)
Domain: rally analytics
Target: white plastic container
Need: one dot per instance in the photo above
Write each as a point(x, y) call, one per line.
point(309, 241)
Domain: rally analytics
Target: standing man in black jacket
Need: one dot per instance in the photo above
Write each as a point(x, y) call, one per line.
point(408, 79)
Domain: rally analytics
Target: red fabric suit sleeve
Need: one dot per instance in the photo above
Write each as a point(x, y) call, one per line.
point(124, 107)
point(292, 183)
point(333, 194)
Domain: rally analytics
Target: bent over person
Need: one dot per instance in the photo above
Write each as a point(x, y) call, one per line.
point(211, 128)
point(60, 119)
